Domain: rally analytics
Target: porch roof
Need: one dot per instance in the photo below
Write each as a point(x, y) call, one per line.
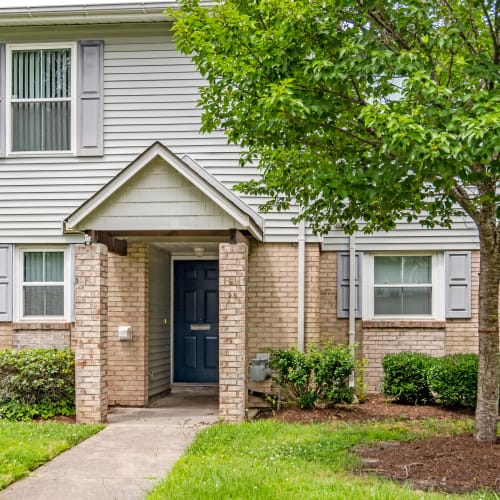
point(134, 201)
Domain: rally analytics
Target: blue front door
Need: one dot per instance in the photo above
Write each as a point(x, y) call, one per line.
point(196, 321)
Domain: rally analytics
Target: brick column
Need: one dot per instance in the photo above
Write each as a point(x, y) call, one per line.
point(233, 275)
point(91, 331)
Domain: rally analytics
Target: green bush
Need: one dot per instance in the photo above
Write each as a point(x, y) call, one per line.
point(405, 377)
point(36, 383)
point(453, 380)
point(318, 375)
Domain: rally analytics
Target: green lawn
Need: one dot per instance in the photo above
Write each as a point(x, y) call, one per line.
point(272, 460)
point(26, 445)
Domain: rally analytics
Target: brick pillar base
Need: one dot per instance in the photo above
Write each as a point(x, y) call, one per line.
point(91, 330)
point(233, 274)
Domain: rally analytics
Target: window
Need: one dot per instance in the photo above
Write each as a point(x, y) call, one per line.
point(41, 89)
point(402, 285)
point(405, 285)
point(43, 278)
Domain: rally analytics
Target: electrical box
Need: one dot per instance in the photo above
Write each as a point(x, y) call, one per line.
point(259, 367)
point(125, 332)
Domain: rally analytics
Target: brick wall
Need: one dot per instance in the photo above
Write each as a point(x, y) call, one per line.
point(312, 295)
point(128, 305)
point(233, 288)
point(36, 335)
point(5, 336)
point(387, 337)
point(91, 330)
point(272, 296)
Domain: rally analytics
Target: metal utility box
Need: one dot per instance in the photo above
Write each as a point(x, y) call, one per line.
point(259, 367)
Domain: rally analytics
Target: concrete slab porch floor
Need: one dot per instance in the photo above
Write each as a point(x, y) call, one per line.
point(126, 459)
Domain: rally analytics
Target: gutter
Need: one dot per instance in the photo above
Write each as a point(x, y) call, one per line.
point(86, 14)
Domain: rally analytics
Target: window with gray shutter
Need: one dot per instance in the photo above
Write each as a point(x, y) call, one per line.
point(458, 287)
point(2, 99)
point(5, 282)
point(343, 285)
point(90, 98)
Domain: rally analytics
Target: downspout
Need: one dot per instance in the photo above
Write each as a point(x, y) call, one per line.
point(301, 256)
point(352, 299)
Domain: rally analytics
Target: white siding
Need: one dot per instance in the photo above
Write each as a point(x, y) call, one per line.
point(159, 322)
point(150, 94)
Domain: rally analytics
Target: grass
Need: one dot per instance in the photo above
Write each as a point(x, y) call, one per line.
point(26, 445)
point(273, 460)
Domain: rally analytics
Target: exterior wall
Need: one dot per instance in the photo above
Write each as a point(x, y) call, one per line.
point(435, 338)
point(5, 336)
point(409, 236)
point(461, 335)
point(387, 337)
point(128, 305)
point(150, 94)
point(312, 295)
point(91, 333)
point(35, 335)
point(159, 322)
point(332, 329)
point(272, 297)
point(233, 316)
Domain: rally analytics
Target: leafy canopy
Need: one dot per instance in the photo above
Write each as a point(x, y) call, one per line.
point(356, 109)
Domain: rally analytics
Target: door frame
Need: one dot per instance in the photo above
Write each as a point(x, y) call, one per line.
point(172, 299)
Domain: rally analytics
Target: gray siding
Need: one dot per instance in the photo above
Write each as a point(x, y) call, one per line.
point(159, 198)
point(159, 332)
point(406, 236)
point(150, 93)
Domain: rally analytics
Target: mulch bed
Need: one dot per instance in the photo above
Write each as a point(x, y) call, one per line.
point(453, 464)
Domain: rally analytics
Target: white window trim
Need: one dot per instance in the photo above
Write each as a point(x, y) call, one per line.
point(18, 283)
point(438, 287)
point(8, 94)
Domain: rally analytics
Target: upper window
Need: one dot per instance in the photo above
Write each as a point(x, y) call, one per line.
point(44, 290)
point(41, 90)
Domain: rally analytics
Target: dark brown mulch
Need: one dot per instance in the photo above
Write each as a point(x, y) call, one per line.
point(453, 464)
point(375, 408)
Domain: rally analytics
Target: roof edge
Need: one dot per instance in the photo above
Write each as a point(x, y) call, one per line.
point(187, 167)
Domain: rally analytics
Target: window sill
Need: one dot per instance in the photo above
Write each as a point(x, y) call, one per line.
point(404, 323)
point(37, 325)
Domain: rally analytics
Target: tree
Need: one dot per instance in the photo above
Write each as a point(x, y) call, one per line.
point(365, 110)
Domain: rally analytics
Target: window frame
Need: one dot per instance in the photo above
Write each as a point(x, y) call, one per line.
point(9, 48)
point(437, 286)
point(19, 283)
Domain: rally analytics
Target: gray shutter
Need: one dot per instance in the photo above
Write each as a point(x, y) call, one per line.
point(458, 288)
point(3, 80)
point(343, 285)
point(5, 282)
point(90, 97)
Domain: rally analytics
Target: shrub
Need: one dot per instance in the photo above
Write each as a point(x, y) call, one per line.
point(405, 377)
point(453, 380)
point(36, 383)
point(315, 375)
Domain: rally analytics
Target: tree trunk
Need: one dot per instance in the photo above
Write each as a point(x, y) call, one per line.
point(489, 372)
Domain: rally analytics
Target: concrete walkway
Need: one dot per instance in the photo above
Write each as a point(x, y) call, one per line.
point(128, 457)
